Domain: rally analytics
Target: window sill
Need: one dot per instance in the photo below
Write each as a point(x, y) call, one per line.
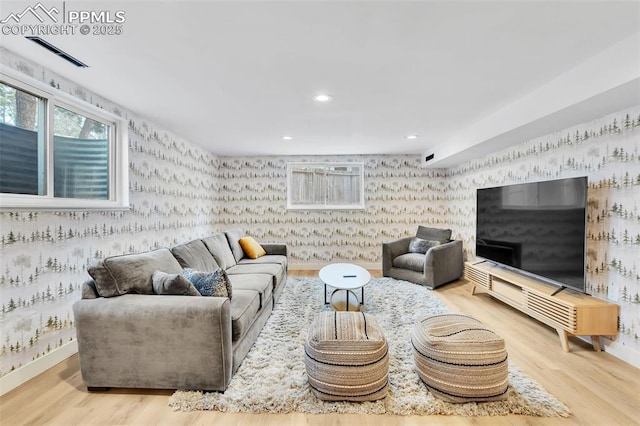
point(39, 203)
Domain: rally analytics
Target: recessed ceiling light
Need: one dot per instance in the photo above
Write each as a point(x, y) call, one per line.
point(411, 137)
point(287, 138)
point(322, 97)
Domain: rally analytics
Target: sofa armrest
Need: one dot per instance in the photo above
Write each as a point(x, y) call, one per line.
point(275, 248)
point(391, 250)
point(151, 341)
point(444, 263)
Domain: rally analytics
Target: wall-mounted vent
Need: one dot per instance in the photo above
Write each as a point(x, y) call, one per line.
point(51, 48)
point(428, 158)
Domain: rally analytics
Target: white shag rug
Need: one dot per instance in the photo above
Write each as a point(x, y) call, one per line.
point(272, 377)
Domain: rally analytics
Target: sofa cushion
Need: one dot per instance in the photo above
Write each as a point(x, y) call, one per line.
point(172, 284)
point(218, 246)
point(244, 308)
point(209, 283)
point(434, 234)
point(412, 261)
point(195, 255)
point(132, 273)
point(418, 245)
point(251, 248)
point(268, 258)
point(233, 238)
point(276, 271)
point(262, 283)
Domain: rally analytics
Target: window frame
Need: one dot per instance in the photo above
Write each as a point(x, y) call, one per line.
point(118, 157)
point(360, 205)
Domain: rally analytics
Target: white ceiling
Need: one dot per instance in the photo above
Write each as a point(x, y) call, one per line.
point(234, 77)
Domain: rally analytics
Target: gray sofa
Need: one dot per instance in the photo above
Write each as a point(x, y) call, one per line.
point(131, 337)
point(437, 265)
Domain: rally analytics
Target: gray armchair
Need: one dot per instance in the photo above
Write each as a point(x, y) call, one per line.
point(421, 260)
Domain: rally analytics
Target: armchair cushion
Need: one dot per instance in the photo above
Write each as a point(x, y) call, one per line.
point(434, 234)
point(412, 261)
point(418, 245)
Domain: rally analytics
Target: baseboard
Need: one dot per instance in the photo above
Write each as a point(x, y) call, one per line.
point(318, 266)
point(21, 375)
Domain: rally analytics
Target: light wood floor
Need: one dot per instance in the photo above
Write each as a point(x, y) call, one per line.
point(598, 388)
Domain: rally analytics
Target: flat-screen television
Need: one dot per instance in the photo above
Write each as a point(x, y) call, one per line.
point(538, 228)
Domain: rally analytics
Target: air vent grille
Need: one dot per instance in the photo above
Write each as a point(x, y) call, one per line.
point(51, 48)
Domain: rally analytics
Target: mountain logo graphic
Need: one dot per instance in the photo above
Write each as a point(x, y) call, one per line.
point(38, 11)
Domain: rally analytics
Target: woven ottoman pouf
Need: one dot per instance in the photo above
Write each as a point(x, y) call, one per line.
point(346, 357)
point(460, 359)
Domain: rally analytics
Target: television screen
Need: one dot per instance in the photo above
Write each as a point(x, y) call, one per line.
point(538, 228)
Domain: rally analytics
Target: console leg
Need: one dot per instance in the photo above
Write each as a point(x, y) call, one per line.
point(595, 341)
point(473, 290)
point(564, 339)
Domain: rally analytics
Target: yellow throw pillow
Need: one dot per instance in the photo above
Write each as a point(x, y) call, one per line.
point(251, 248)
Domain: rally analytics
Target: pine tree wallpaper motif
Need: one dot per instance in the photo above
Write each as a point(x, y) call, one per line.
point(399, 195)
point(43, 255)
point(607, 151)
point(179, 192)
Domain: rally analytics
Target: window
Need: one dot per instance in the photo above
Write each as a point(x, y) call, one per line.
point(57, 152)
point(22, 142)
point(325, 186)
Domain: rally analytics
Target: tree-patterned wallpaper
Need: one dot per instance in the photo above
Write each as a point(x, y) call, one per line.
point(400, 195)
point(607, 151)
point(179, 192)
point(43, 255)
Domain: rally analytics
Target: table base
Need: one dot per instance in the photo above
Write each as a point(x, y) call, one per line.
point(344, 298)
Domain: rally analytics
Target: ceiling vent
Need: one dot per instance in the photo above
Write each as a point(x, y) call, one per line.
point(51, 48)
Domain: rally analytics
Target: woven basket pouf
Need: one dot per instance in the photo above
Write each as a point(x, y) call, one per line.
point(460, 359)
point(346, 357)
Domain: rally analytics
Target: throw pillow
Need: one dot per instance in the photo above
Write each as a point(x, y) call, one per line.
point(105, 284)
point(214, 283)
point(251, 248)
point(418, 245)
point(174, 284)
point(131, 273)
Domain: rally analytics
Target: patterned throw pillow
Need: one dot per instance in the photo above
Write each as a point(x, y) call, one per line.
point(418, 245)
point(214, 283)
